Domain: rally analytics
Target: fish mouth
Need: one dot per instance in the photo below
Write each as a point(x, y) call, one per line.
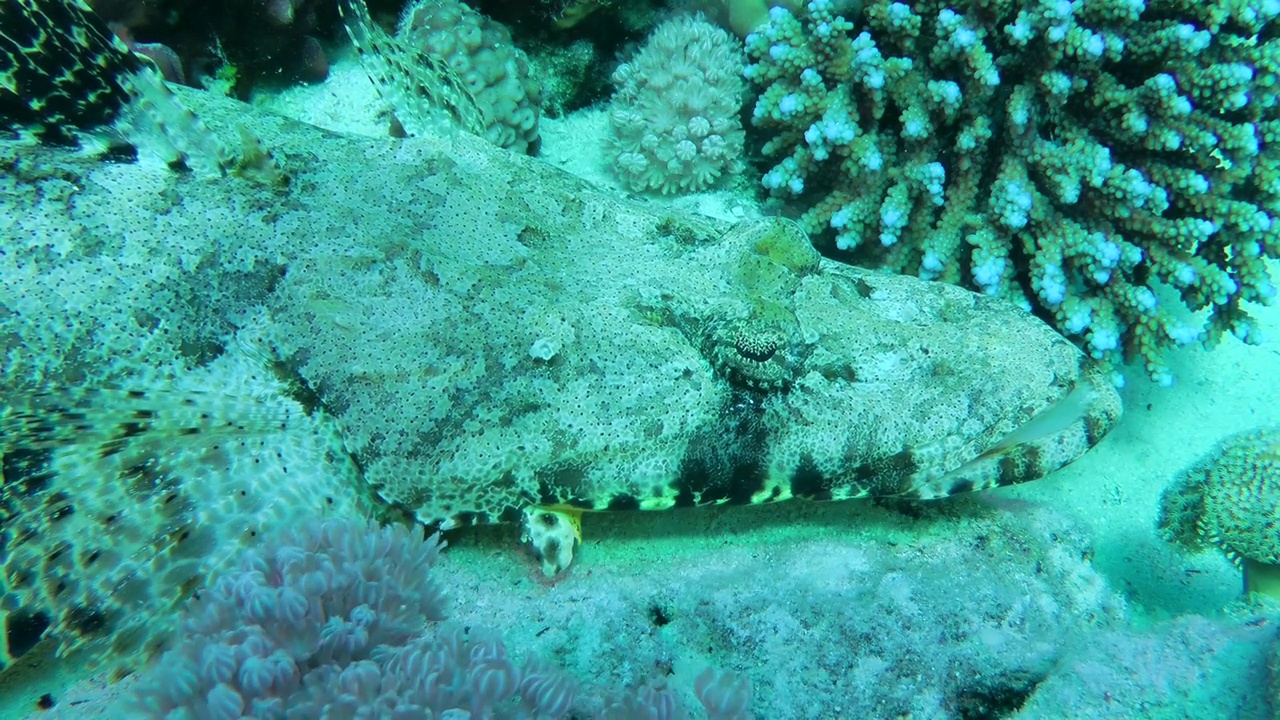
point(1051, 439)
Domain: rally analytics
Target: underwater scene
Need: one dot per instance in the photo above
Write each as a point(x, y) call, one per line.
point(639, 359)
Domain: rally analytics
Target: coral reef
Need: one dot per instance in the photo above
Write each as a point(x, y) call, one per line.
point(569, 74)
point(1110, 164)
point(1230, 499)
point(675, 114)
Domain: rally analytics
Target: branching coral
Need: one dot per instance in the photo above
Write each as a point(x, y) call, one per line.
point(1095, 160)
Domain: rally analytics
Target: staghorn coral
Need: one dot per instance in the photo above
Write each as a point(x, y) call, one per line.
point(1110, 164)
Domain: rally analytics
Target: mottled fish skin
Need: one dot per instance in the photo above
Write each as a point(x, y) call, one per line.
point(840, 384)
point(513, 337)
point(570, 348)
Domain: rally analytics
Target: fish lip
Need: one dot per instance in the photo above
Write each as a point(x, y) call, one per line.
point(1067, 426)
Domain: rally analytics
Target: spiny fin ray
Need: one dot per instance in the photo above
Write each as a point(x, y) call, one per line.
point(117, 503)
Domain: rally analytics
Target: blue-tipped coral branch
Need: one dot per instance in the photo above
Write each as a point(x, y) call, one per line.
point(1110, 164)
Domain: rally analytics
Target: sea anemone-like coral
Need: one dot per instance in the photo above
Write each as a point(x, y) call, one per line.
point(480, 52)
point(342, 619)
point(675, 114)
point(337, 619)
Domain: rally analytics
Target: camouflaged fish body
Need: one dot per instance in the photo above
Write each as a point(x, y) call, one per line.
point(525, 340)
point(735, 377)
point(490, 334)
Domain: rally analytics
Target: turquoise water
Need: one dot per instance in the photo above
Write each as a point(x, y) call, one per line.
point(204, 365)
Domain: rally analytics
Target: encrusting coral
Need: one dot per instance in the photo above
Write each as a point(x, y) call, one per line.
point(1109, 164)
